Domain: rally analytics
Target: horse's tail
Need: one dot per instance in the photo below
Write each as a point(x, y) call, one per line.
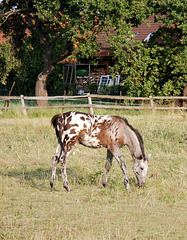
point(54, 120)
point(55, 123)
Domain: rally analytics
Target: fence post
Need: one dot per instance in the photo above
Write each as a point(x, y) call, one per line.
point(90, 103)
point(23, 105)
point(152, 103)
point(120, 93)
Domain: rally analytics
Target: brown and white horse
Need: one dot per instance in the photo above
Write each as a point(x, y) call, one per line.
point(111, 132)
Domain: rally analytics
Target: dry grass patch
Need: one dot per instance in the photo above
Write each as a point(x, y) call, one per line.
point(30, 211)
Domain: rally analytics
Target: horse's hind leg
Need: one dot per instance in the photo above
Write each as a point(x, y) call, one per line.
point(64, 161)
point(55, 161)
point(107, 168)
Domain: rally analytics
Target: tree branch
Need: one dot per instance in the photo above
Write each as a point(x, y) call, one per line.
point(34, 26)
point(8, 14)
point(61, 58)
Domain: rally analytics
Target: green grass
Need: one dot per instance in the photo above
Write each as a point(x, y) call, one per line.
point(30, 211)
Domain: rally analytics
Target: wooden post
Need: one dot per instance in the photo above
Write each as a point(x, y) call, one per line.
point(90, 103)
point(89, 74)
point(75, 73)
point(23, 105)
point(63, 74)
point(152, 103)
point(71, 77)
point(67, 73)
point(8, 101)
point(120, 93)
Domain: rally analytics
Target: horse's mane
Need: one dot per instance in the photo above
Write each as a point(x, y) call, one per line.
point(140, 139)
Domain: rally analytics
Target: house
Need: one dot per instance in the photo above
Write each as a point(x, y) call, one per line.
point(142, 33)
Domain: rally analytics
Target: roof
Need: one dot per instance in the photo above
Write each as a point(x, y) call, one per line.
point(2, 37)
point(142, 33)
point(146, 28)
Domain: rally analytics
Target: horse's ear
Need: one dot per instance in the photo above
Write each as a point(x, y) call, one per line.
point(148, 156)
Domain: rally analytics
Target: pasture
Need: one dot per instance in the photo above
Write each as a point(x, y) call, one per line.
point(29, 210)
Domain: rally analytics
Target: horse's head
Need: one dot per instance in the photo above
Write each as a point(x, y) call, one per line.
point(140, 169)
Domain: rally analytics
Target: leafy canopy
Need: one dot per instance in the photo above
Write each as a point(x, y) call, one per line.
point(44, 32)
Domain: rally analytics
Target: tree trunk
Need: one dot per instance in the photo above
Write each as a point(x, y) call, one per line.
point(41, 90)
point(41, 84)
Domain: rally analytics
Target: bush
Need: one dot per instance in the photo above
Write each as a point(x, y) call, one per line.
point(92, 88)
point(60, 87)
point(110, 90)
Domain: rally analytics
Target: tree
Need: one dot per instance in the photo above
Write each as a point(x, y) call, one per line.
point(8, 61)
point(157, 67)
point(60, 29)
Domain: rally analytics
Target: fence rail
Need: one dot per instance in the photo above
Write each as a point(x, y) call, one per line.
point(152, 106)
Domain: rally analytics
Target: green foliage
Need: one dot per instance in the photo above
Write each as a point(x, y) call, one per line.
point(159, 66)
point(57, 25)
point(58, 87)
point(92, 88)
point(8, 61)
point(43, 32)
point(110, 90)
point(158, 70)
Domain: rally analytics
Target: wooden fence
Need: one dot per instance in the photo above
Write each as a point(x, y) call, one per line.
point(119, 102)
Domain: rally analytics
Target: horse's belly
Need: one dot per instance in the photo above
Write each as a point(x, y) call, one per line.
point(90, 141)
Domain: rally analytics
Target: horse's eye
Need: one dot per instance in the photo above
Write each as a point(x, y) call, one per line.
point(141, 168)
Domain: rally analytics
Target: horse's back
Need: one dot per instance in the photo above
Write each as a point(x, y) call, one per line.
point(90, 130)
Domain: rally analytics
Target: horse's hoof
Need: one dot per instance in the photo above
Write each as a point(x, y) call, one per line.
point(68, 189)
point(105, 185)
point(51, 184)
point(129, 191)
point(128, 187)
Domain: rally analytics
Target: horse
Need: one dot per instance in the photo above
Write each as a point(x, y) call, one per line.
point(96, 131)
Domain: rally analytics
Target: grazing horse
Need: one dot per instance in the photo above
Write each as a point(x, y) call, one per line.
point(111, 132)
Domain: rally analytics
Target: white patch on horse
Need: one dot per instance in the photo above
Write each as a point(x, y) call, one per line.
point(90, 141)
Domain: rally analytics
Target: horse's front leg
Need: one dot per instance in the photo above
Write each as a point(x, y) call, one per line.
point(117, 154)
point(55, 161)
point(124, 170)
point(107, 168)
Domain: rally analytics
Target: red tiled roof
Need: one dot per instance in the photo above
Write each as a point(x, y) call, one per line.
point(146, 28)
point(142, 31)
point(2, 37)
point(101, 39)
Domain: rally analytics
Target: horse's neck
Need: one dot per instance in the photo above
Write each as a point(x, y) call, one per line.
point(133, 143)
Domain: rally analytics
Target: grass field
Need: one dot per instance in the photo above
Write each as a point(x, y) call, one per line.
point(29, 210)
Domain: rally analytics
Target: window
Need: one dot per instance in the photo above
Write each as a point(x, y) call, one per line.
point(104, 81)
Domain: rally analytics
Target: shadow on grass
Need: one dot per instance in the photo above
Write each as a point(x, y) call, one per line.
point(39, 178)
point(34, 178)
